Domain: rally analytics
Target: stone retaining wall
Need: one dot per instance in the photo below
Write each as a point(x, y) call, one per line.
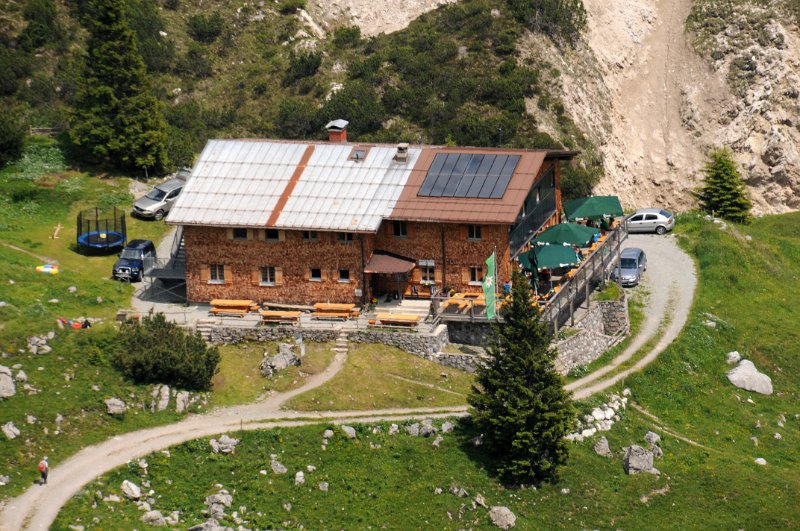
point(469, 332)
point(221, 335)
point(600, 329)
point(420, 345)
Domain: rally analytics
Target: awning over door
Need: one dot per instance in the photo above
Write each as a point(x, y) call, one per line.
point(388, 264)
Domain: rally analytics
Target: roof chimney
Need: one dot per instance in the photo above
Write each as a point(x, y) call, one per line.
point(337, 130)
point(402, 152)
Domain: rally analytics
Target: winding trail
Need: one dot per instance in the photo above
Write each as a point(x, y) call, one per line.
point(670, 280)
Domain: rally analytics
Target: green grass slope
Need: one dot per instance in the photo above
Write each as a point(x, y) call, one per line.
point(748, 285)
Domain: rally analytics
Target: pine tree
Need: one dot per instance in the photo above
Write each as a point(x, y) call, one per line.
point(519, 402)
point(724, 192)
point(116, 119)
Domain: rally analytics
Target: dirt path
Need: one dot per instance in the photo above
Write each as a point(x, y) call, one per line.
point(671, 281)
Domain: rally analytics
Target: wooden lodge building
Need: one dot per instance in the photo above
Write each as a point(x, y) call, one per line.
point(299, 222)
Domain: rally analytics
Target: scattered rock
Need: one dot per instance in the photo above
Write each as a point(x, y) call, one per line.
point(95, 387)
point(53, 301)
point(427, 429)
point(778, 437)
point(601, 448)
point(181, 401)
point(447, 426)
point(437, 441)
point(477, 440)
point(131, 490)
point(760, 461)
point(733, 357)
point(161, 392)
point(565, 491)
point(755, 441)
point(7, 387)
point(115, 406)
point(72, 289)
point(21, 377)
point(461, 492)
point(311, 468)
point(225, 445)
point(112, 498)
point(30, 419)
point(437, 490)
point(299, 478)
point(638, 460)
point(413, 429)
point(277, 468)
point(154, 518)
point(652, 438)
point(4, 480)
point(502, 517)
point(323, 486)
point(394, 429)
point(327, 434)
point(77, 528)
point(480, 501)
point(349, 432)
point(288, 507)
point(10, 431)
point(285, 358)
point(746, 376)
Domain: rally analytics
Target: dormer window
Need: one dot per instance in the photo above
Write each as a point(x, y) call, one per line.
point(358, 153)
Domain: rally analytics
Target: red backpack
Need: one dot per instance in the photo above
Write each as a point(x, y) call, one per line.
point(42, 466)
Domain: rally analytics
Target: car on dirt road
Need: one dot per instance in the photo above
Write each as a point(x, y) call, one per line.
point(632, 263)
point(651, 220)
point(130, 265)
point(158, 201)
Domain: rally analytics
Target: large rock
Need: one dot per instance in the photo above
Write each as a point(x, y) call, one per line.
point(502, 517)
point(276, 466)
point(162, 393)
point(154, 518)
point(181, 401)
point(10, 431)
point(733, 357)
point(115, 406)
point(285, 358)
point(131, 490)
point(637, 460)
point(652, 438)
point(746, 376)
point(21, 376)
point(7, 387)
point(349, 432)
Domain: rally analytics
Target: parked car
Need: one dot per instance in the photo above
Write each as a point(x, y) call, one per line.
point(632, 263)
point(159, 200)
point(130, 265)
point(651, 220)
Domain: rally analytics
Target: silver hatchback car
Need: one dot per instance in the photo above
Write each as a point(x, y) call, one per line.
point(632, 263)
point(651, 220)
point(159, 200)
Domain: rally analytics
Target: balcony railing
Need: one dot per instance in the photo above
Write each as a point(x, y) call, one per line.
point(527, 227)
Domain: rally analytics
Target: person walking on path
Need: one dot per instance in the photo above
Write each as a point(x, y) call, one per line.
point(44, 468)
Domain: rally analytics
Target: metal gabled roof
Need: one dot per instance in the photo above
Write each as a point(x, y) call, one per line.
point(236, 183)
point(334, 193)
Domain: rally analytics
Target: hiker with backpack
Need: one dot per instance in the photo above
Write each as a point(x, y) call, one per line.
point(44, 468)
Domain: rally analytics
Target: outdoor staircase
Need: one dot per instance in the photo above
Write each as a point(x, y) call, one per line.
point(341, 343)
point(204, 326)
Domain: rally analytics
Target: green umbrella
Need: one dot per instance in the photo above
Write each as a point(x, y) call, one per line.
point(550, 257)
point(566, 234)
point(596, 207)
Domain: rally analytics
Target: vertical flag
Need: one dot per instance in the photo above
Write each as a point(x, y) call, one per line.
point(488, 287)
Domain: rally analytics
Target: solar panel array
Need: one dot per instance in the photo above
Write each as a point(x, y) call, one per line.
point(469, 175)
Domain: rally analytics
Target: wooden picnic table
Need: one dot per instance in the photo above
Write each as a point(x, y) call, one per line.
point(238, 307)
point(276, 316)
point(328, 310)
point(398, 319)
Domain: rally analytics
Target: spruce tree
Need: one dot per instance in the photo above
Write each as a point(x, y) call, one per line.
point(724, 193)
point(519, 402)
point(116, 119)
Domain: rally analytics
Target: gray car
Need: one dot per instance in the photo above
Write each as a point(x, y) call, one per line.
point(159, 200)
point(633, 262)
point(651, 220)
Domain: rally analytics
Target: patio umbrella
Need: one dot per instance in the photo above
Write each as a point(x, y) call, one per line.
point(566, 234)
point(552, 256)
point(596, 207)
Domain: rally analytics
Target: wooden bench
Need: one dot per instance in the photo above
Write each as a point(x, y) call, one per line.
point(397, 319)
point(342, 316)
point(236, 307)
point(327, 310)
point(275, 316)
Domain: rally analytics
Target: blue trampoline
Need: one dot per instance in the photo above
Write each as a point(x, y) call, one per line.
point(101, 230)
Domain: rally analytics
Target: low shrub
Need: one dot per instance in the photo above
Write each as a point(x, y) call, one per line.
point(158, 351)
point(287, 7)
point(205, 28)
point(303, 64)
point(347, 37)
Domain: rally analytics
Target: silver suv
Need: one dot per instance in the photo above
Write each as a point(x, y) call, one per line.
point(159, 200)
point(651, 220)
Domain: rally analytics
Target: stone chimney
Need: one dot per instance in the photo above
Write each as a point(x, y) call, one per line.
point(402, 152)
point(337, 130)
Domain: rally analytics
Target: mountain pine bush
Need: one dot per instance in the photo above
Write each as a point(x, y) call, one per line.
point(724, 193)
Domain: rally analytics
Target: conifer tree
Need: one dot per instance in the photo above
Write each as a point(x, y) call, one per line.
point(724, 192)
point(519, 402)
point(116, 119)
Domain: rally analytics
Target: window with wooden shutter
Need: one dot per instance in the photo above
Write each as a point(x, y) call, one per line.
point(437, 275)
point(465, 275)
point(279, 276)
point(281, 235)
point(416, 275)
point(255, 277)
point(315, 274)
point(205, 273)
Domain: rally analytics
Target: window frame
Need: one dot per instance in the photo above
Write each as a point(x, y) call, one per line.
point(344, 280)
point(476, 275)
point(216, 274)
point(310, 236)
point(267, 237)
point(399, 229)
point(427, 274)
point(345, 237)
point(311, 276)
point(474, 233)
point(270, 271)
point(237, 237)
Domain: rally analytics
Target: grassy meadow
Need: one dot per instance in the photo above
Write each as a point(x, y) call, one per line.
point(747, 286)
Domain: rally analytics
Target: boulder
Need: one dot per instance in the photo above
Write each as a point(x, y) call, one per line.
point(394, 429)
point(7, 387)
point(502, 517)
point(10, 431)
point(223, 497)
point(21, 376)
point(4, 480)
point(115, 406)
point(181, 401)
point(299, 478)
point(427, 429)
point(638, 460)
point(349, 432)
point(161, 393)
point(225, 445)
point(131, 490)
point(285, 358)
point(447, 426)
point(601, 448)
point(112, 498)
point(760, 461)
point(323, 486)
point(437, 441)
point(154, 518)
point(277, 467)
point(733, 358)
point(413, 429)
point(746, 376)
point(327, 434)
point(652, 438)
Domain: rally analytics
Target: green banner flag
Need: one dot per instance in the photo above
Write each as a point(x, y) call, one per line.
point(488, 287)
